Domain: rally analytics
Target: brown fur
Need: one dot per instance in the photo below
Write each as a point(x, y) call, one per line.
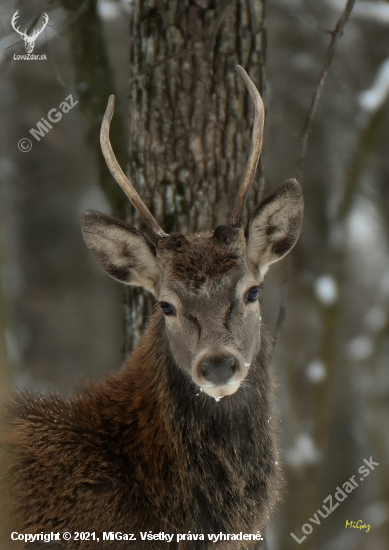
point(145, 449)
point(142, 450)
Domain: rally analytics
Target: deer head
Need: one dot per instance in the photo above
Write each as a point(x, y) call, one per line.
point(29, 41)
point(206, 283)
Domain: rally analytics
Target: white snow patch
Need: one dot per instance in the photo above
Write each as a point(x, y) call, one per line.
point(316, 371)
point(365, 238)
point(361, 348)
point(11, 345)
point(373, 98)
point(303, 451)
point(108, 10)
point(375, 318)
point(362, 224)
point(326, 289)
point(376, 513)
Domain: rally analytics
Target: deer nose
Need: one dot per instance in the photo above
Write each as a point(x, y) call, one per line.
point(218, 369)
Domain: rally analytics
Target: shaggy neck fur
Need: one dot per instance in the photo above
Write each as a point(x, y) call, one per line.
point(165, 418)
point(142, 443)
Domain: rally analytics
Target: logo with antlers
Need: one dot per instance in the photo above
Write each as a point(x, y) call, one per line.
point(29, 41)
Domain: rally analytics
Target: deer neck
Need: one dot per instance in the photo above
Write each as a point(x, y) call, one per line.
point(171, 418)
point(157, 385)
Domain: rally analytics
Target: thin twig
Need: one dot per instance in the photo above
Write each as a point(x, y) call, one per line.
point(335, 35)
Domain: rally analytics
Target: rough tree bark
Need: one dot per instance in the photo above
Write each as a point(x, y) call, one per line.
point(190, 116)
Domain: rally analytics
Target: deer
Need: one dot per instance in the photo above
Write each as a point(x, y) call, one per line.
point(29, 41)
point(180, 441)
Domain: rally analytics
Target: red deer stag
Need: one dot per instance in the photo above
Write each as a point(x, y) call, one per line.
point(180, 441)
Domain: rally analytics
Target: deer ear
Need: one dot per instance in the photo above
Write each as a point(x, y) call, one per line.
point(274, 227)
point(122, 251)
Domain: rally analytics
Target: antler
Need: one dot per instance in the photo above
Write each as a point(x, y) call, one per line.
point(13, 22)
point(38, 31)
point(119, 175)
point(256, 145)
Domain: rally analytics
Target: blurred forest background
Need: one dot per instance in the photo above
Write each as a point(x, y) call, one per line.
point(182, 131)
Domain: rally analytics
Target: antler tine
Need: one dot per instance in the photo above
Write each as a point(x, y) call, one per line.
point(256, 145)
point(119, 175)
point(37, 32)
point(13, 23)
point(45, 21)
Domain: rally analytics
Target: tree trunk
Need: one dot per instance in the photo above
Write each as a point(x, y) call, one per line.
point(190, 116)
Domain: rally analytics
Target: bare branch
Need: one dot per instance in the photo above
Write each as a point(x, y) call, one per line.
point(335, 35)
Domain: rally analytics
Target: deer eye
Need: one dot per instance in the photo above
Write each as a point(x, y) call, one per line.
point(167, 308)
point(252, 295)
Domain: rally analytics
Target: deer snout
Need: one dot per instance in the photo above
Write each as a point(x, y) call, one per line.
point(218, 369)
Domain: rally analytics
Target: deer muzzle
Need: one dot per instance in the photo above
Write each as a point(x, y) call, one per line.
point(219, 375)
